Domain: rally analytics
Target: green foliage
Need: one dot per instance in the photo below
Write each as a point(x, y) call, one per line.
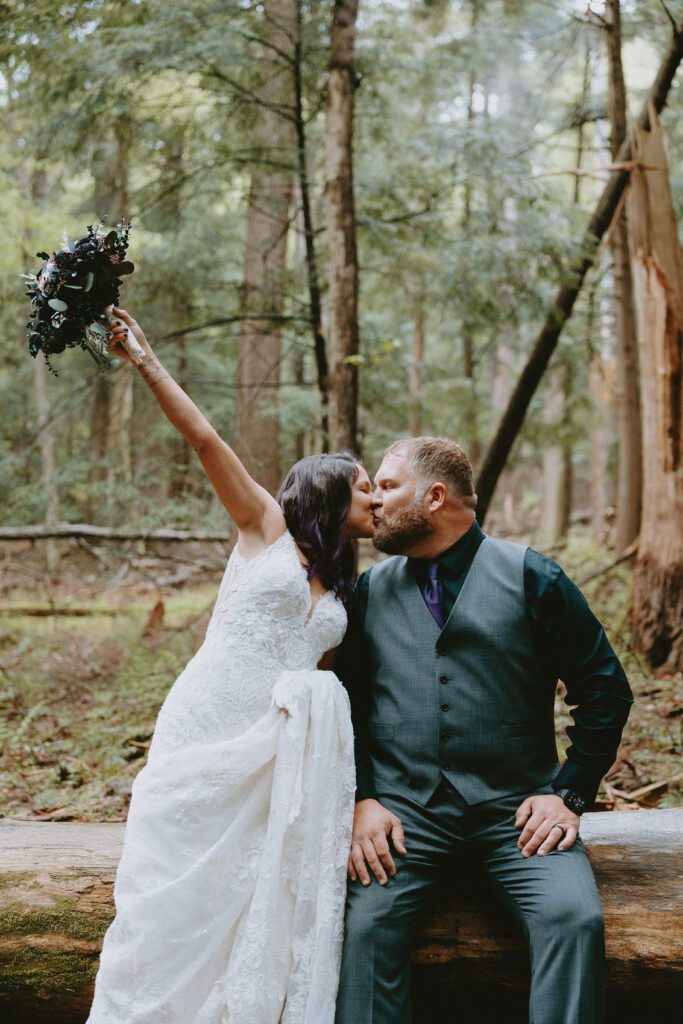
point(467, 120)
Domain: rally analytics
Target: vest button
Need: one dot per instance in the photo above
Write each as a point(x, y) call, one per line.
point(444, 735)
point(443, 679)
point(444, 707)
point(446, 767)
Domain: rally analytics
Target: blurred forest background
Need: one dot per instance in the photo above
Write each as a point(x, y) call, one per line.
point(352, 221)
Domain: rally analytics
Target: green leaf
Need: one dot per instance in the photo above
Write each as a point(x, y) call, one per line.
point(58, 304)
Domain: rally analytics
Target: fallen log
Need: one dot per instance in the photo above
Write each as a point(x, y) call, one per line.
point(40, 531)
point(55, 904)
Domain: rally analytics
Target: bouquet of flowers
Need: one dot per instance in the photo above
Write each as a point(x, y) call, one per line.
point(73, 293)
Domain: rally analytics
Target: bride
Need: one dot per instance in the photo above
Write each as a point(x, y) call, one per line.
point(230, 891)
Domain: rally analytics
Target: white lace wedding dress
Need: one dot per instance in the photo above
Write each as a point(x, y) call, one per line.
point(230, 891)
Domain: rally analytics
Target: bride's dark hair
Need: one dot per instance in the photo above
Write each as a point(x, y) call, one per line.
point(315, 498)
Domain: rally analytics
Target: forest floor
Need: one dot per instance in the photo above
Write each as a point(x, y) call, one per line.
point(79, 693)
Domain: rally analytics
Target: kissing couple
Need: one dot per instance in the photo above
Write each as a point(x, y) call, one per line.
point(307, 783)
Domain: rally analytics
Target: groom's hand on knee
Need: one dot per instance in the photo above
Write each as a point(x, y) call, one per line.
point(545, 823)
point(372, 823)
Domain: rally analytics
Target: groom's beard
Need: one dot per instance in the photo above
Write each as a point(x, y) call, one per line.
point(403, 530)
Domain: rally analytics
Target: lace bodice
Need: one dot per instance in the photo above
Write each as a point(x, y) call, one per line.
point(264, 622)
point(266, 601)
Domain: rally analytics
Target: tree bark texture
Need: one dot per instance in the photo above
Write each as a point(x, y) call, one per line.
point(657, 265)
point(341, 230)
point(563, 304)
point(257, 419)
point(56, 902)
point(629, 477)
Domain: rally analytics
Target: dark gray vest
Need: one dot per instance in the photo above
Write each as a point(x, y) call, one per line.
point(472, 701)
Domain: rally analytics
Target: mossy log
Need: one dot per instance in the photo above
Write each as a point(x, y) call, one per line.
point(56, 902)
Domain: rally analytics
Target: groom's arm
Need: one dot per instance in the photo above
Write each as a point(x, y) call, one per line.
point(351, 667)
point(575, 647)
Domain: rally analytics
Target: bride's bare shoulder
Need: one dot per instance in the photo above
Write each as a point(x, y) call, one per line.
point(252, 541)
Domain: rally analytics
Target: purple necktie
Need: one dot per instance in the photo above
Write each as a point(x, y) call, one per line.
point(432, 591)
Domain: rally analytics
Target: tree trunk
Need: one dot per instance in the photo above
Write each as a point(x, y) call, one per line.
point(171, 211)
point(257, 417)
point(600, 383)
point(112, 402)
point(47, 458)
point(629, 478)
point(45, 428)
point(341, 230)
point(563, 304)
point(657, 266)
point(554, 518)
point(314, 295)
point(467, 332)
point(56, 903)
point(415, 375)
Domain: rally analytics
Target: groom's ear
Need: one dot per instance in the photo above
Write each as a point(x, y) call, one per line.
point(437, 496)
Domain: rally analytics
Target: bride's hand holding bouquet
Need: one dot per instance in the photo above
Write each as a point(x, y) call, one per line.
point(122, 325)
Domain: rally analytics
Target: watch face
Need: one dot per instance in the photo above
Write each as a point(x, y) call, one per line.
point(574, 802)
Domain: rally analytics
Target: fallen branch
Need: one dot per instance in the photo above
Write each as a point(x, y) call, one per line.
point(17, 610)
point(627, 554)
point(638, 794)
point(70, 530)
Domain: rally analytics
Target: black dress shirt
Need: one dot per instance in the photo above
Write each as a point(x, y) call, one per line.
point(570, 641)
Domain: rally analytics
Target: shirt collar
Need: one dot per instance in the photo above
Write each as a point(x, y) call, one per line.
point(455, 559)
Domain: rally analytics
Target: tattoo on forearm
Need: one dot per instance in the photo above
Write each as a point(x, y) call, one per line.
point(153, 373)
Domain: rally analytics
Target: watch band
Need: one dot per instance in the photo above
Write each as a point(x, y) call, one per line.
point(574, 801)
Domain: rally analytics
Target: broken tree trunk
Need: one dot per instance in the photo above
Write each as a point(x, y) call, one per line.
point(563, 304)
point(56, 902)
point(657, 266)
point(630, 474)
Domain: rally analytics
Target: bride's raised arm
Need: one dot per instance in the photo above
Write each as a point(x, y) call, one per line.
point(252, 508)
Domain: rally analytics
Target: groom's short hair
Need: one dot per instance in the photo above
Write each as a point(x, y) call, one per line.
point(438, 458)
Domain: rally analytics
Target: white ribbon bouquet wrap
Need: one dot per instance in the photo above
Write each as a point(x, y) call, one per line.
point(98, 336)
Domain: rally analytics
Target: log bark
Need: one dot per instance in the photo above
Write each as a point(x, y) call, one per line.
point(56, 902)
point(629, 477)
point(341, 230)
point(563, 304)
point(657, 264)
point(257, 418)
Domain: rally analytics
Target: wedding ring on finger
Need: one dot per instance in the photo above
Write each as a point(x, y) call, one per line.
point(563, 828)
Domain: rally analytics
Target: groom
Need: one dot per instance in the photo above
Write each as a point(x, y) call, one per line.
point(451, 661)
